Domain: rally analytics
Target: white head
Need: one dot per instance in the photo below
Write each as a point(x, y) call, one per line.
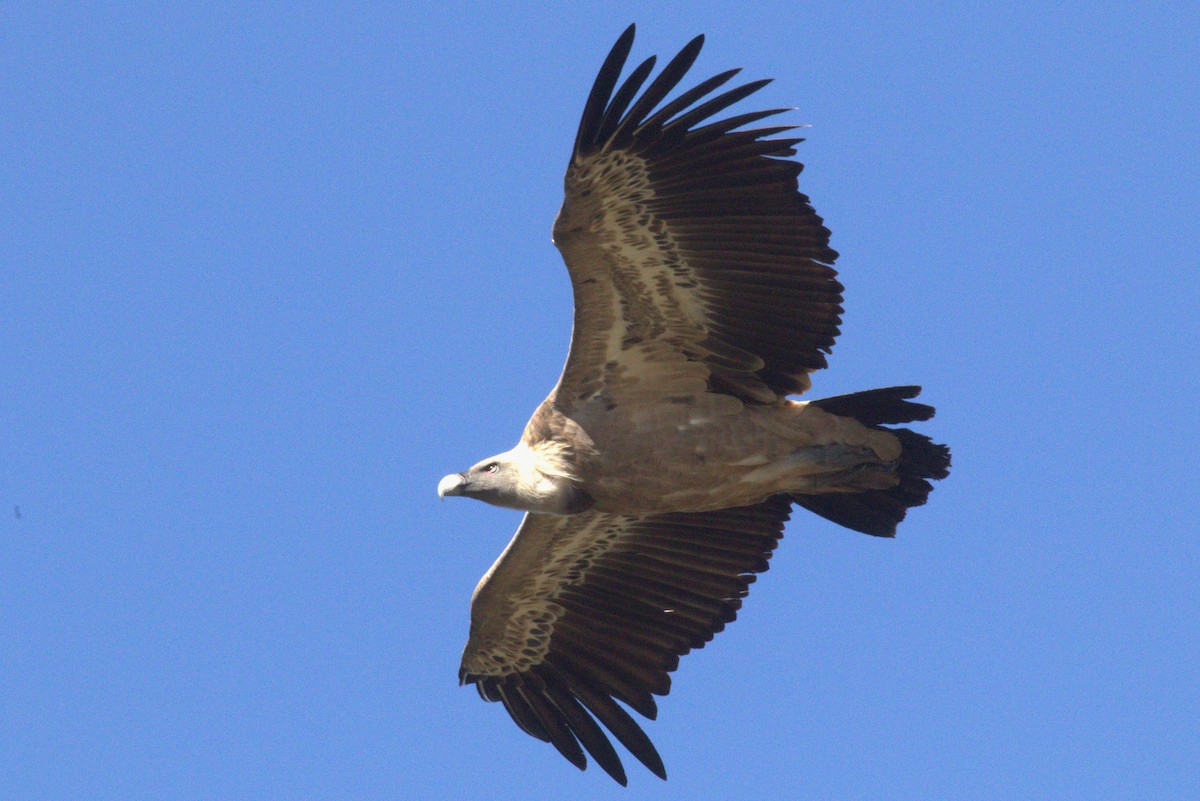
point(518, 479)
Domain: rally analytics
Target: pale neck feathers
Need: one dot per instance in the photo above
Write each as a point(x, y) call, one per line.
point(546, 481)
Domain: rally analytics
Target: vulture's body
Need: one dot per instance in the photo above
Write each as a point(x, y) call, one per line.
point(658, 474)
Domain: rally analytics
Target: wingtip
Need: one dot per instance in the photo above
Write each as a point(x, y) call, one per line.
point(617, 774)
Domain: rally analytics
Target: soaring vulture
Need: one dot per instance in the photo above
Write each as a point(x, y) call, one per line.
point(658, 474)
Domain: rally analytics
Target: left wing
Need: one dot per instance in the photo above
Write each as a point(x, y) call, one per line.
point(696, 264)
point(585, 610)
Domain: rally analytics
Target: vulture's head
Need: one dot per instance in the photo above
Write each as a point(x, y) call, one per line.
point(493, 480)
point(513, 480)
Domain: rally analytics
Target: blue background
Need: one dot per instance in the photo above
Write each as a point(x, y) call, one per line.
point(267, 272)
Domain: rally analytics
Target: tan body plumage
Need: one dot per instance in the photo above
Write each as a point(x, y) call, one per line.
point(708, 454)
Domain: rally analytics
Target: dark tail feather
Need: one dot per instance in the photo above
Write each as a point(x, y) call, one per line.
point(877, 407)
point(878, 512)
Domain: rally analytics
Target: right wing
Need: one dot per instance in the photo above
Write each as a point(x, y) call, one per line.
point(585, 610)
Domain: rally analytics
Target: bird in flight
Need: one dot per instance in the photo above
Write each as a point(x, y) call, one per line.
point(657, 476)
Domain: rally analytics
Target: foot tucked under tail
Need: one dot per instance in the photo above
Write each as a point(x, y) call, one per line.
point(878, 512)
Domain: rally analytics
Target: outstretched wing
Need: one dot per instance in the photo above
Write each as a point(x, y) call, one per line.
point(582, 611)
point(694, 259)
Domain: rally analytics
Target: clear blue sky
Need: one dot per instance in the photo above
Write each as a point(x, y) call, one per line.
point(267, 274)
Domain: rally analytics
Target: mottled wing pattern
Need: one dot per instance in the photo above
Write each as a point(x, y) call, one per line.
point(693, 257)
point(583, 611)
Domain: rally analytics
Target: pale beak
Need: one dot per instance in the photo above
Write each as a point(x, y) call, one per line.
point(451, 485)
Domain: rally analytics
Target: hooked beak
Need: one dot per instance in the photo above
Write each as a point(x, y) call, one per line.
point(451, 485)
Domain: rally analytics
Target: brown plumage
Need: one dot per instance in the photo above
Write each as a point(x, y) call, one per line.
point(658, 474)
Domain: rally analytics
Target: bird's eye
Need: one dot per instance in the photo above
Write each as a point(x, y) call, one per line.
point(491, 468)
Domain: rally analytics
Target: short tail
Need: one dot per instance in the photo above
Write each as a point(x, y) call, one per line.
point(878, 512)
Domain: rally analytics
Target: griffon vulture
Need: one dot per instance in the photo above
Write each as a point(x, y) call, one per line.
point(658, 474)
